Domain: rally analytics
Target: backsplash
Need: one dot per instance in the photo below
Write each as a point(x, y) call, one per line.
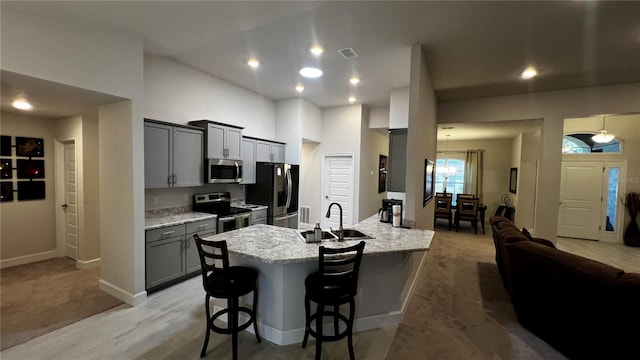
point(179, 197)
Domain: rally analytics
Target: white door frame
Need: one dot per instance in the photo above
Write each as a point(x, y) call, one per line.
point(323, 201)
point(60, 195)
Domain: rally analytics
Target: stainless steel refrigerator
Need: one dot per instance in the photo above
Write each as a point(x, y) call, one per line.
point(276, 187)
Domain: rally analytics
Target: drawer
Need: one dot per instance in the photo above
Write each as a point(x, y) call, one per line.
point(202, 226)
point(164, 233)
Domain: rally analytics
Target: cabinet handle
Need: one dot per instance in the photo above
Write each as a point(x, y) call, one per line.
point(167, 233)
point(202, 227)
point(170, 179)
point(175, 179)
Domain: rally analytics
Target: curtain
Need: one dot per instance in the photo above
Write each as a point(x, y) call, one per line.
point(473, 167)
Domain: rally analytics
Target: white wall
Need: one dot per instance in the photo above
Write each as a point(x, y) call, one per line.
point(311, 121)
point(375, 142)
point(178, 94)
point(421, 140)
point(399, 108)
point(112, 64)
point(379, 118)
point(311, 180)
point(288, 127)
point(527, 180)
point(21, 241)
point(553, 107)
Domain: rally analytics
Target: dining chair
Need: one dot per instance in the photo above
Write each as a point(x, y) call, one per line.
point(467, 210)
point(443, 209)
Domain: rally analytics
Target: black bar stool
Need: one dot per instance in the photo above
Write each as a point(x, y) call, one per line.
point(226, 282)
point(334, 284)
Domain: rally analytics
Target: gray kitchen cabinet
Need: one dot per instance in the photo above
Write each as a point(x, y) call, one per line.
point(164, 261)
point(224, 142)
point(268, 151)
point(248, 161)
point(171, 252)
point(172, 155)
point(397, 163)
point(259, 216)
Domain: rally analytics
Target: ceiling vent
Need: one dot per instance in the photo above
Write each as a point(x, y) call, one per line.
point(348, 53)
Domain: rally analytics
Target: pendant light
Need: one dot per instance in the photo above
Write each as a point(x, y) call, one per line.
point(603, 136)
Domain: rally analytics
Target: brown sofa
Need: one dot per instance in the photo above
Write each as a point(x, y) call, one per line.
point(583, 308)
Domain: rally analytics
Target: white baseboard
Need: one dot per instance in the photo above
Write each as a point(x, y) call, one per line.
point(128, 298)
point(294, 336)
point(87, 264)
point(28, 259)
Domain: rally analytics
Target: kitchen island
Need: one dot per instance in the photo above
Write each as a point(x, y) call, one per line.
point(388, 272)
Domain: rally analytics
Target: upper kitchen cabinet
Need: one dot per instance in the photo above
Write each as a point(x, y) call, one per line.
point(223, 141)
point(172, 155)
point(397, 163)
point(269, 151)
point(248, 161)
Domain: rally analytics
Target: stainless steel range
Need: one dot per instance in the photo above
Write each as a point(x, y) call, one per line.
point(219, 203)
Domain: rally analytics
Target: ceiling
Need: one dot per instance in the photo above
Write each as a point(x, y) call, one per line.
point(473, 48)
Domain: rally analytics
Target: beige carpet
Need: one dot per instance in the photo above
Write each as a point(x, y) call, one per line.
point(460, 310)
point(44, 296)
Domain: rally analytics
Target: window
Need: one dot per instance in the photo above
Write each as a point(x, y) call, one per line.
point(450, 176)
point(582, 144)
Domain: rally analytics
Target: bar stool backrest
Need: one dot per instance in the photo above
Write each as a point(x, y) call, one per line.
point(340, 266)
point(213, 255)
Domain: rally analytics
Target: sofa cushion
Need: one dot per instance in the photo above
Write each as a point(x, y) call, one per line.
point(545, 242)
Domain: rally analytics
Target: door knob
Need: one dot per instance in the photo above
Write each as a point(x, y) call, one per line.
point(327, 197)
point(64, 206)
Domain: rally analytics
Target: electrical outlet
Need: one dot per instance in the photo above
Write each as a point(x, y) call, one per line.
point(186, 196)
point(156, 199)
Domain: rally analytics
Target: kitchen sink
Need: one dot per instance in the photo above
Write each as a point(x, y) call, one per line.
point(326, 235)
point(352, 234)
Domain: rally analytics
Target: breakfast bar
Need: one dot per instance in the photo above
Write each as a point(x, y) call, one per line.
point(391, 261)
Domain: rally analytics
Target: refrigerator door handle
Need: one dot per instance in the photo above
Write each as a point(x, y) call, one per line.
point(288, 216)
point(289, 188)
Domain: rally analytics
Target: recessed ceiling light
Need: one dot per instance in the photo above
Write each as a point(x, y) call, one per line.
point(299, 88)
point(529, 72)
point(316, 50)
point(354, 81)
point(22, 104)
point(310, 72)
point(352, 99)
point(254, 63)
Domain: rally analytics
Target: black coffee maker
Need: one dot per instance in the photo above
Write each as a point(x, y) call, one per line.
point(386, 213)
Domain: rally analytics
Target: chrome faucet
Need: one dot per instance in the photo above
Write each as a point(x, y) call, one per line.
point(341, 231)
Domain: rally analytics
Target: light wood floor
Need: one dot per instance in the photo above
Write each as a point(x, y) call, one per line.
point(170, 325)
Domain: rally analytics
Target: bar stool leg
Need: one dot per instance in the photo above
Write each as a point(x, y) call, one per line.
point(307, 321)
point(320, 313)
point(352, 307)
point(255, 314)
point(233, 321)
point(336, 309)
point(206, 337)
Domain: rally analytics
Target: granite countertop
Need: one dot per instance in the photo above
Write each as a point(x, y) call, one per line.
point(169, 219)
point(273, 244)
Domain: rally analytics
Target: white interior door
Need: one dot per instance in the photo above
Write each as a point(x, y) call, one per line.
point(580, 199)
point(338, 185)
point(70, 205)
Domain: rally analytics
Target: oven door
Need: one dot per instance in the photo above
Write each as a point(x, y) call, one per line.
point(234, 222)
point(221, 171)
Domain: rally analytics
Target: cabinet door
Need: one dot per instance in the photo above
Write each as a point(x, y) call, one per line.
point(248, 161)
point(277, 152)
point(233, 143)
point(193, 259)
point(215, 141)
point(165, 261)
point(263, 151)
point(187, 157)
point(158, 141)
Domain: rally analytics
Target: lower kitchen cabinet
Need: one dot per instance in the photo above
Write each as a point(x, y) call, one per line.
point(172, 254)
point(259, 216)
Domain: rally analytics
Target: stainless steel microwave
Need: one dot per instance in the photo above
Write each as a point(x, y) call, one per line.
point(223, 171)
